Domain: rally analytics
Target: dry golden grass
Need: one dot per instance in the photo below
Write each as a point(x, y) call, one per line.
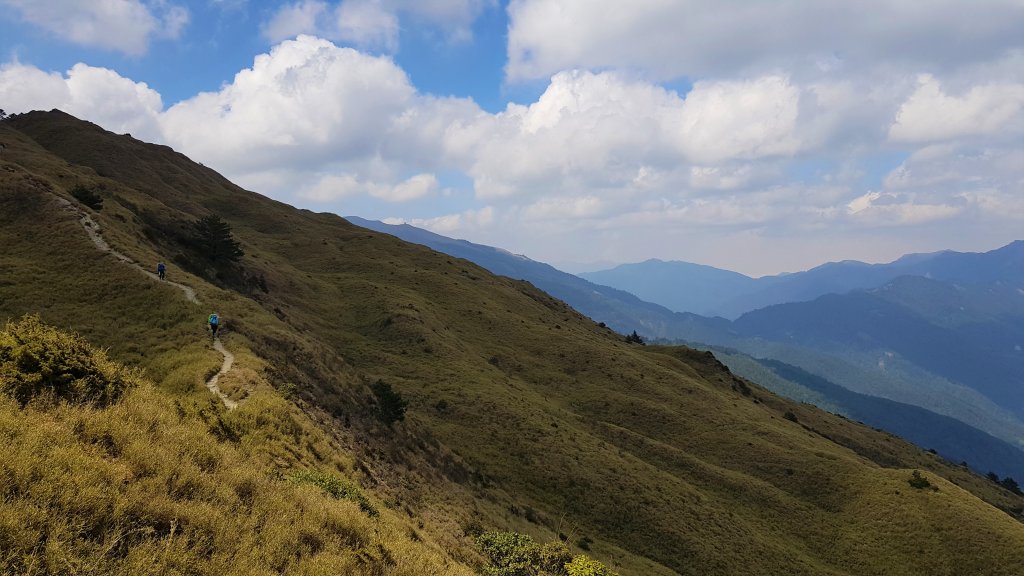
point(143, 487)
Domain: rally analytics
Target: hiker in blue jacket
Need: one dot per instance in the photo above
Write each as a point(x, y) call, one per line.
point(161, 270)
point(214, 322)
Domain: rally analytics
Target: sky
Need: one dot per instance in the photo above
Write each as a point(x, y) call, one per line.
point(756, 136)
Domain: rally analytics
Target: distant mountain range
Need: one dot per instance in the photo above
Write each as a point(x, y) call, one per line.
point(686, 287)
point(941, 333)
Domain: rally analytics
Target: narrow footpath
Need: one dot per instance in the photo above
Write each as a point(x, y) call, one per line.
point(92, 229)
point(229, 359)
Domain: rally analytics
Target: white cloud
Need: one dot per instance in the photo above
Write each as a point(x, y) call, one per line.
point(292, 20)
point(306, 104)
point(931, 115)
point(96, 94)
point(416, 187)
point(121, 25)
point(728, 120)
point(888, 209)
point(469, 220)
point(592, 131)
point(689, 38)
point(367, 23)
point(565, 208)
point(24, 88)
point(454, 16)
point(373, 24)
point(333, 187)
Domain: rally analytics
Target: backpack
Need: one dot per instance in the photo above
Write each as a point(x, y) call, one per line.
point(214, 320)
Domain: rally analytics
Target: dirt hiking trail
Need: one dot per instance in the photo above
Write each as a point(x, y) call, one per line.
point(229, 359)
point(96, 235)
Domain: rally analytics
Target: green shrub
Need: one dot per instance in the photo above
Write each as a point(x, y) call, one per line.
point(339, 488)
point(634, 338)
point(920, 482)
point(87, 196)
point(514, 554)
point(554, 556)
point(510, 553)
point(584, 566)
point(390, 404)
point(39, 360)
point(1011, 485)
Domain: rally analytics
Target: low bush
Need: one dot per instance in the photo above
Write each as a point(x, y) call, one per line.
point(339, 488)
point(88, 197)
point(514, 554)
point(37, 360)
point(920, 482)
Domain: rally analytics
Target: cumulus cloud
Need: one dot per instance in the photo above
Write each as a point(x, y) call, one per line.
point(372, 24)
point(24, 88)
point(97, 94)
point(307, 103)
point(931, 115)
point(461, 222)
point(331, 187)
point(692, 39)
point(121, 25)
point(725, 120)
point(605, 131)
point(566, 208)
point(292, 20)
point(367, 23)
point(888, 209)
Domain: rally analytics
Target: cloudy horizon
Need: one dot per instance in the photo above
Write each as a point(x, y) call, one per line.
point(755, 137)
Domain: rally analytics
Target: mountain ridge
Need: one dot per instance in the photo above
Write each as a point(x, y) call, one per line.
point(671, 283)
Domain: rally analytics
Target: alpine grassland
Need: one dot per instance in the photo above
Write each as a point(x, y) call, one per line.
point(379, 375)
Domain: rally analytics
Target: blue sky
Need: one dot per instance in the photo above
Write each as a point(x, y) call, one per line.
point(755, 136)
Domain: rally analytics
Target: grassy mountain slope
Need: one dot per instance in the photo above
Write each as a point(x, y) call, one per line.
point(142, 486)
point(951, 438)
point(621, 310)
point(947, 305)
point(523, 414)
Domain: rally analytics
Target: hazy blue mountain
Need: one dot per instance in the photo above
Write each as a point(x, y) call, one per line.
point(685, 287)
point(679, 286)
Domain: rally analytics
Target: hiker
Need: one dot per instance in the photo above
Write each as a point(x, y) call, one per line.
point(161, 270)
point(214, 322)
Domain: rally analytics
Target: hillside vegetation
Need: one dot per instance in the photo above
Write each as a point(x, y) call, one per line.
point(522, 415)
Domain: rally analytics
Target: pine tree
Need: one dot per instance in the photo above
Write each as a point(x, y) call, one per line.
point(213, 235)
point(1011, 485)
